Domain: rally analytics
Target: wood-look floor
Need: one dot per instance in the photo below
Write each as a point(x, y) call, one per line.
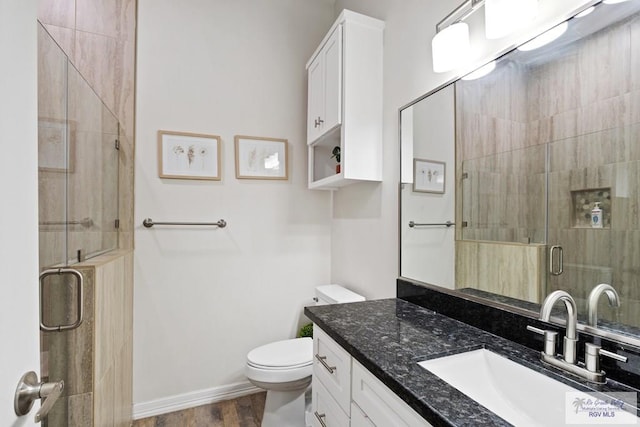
point(244, 411)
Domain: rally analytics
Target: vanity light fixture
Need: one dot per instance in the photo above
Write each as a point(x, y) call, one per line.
point(502, 17)
point(450, 47)
point(545, 38)
point(481, 72)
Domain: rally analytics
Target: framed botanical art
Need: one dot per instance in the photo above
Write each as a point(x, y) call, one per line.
point(261, 158)
point(184, 155)
point(428, 176)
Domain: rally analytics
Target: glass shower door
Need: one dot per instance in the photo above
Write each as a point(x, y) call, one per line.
point(503, 196)
point(596, 167)
point(93, 180)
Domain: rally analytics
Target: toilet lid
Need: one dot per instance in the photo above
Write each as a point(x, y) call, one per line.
point(283, 354)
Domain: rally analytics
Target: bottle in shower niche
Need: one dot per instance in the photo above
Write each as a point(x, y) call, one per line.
point(596, 216)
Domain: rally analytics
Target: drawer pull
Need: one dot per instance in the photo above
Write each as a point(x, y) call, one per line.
point(322, 359)
point(320, 418)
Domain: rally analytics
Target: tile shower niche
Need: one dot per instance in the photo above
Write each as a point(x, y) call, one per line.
point(584, 201)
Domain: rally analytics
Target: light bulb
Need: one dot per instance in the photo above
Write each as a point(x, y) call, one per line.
point(450, 47)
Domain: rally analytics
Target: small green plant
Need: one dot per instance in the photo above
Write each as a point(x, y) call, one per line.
point(336, 153)
point(306, 331)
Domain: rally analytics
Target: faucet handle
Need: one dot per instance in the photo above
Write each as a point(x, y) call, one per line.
point(592, 353)
point(550, 338)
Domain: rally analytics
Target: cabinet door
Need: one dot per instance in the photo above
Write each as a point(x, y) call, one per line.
point(332, 367)
point(332, 54)
point(315, 101)
point(324, 104)
point(325, 410)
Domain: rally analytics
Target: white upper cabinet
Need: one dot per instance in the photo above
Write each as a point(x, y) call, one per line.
point(345, 103)
point(325, 77)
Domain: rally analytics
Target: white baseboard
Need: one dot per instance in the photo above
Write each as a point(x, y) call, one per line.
point(192, 399)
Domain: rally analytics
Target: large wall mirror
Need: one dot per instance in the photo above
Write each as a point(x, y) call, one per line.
point(546, 134)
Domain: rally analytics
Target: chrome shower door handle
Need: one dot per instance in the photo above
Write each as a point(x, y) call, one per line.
point(552, 270)
point(79, 305)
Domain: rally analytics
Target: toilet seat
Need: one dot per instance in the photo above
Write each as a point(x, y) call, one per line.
point(285, 354)
point(281, 361)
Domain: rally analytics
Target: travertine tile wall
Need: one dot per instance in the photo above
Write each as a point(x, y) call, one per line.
point(113, 363)
point(95, 360)
point(509, 269)
point(586, 106)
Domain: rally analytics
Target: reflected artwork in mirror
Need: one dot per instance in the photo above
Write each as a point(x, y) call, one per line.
point(543, 141)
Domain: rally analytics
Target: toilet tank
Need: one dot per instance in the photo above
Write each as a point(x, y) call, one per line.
point(335, 294)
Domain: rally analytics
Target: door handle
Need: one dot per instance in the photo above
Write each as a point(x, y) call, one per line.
point(320, 418)
point(79, 310)
point(323, 361)
point(29, 390)
point(552, 269)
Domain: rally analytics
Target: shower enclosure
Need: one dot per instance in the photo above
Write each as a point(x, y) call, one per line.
point(78, 220)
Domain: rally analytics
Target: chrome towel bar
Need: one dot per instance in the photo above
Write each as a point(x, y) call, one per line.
point(148, 222)
point(435, 224)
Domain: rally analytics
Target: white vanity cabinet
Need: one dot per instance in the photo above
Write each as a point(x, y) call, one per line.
point(345, 103)
point(345, 393)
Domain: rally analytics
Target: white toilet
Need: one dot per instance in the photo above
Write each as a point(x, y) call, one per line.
point(283, 368)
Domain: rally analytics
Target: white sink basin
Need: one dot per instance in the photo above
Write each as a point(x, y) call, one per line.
point(514, 392)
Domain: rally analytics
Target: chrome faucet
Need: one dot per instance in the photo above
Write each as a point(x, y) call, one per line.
point(570, 339)
point(590, 370)
point(594, 297)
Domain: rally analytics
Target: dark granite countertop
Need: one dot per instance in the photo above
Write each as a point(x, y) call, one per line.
point(389, 337)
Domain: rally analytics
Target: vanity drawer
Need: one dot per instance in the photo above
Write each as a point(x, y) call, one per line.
point(325, 408)
point(358, 418)
point(332, 367)
point(379, 404)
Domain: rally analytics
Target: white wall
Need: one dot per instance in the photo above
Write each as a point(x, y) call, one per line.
point(364, 242)
point(205, 297)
